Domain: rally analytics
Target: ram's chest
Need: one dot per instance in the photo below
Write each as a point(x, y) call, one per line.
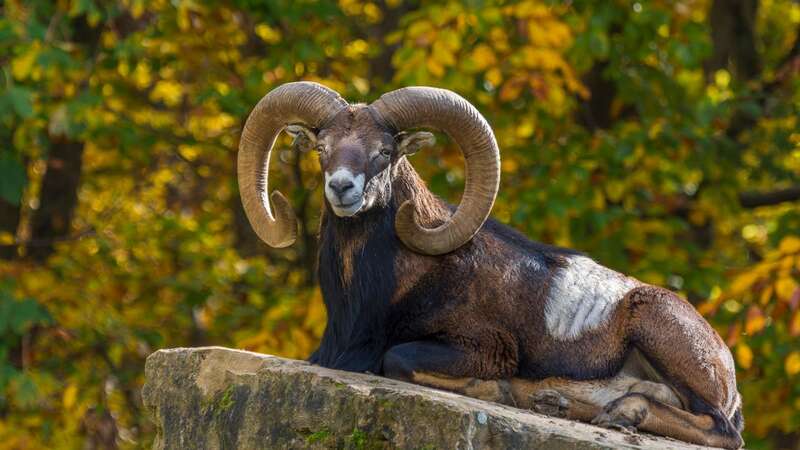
point(582, 297)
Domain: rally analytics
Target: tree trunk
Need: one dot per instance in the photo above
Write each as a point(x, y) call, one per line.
point(595, 112)
point(59, 195)
point(733, 34)
point(381, 69)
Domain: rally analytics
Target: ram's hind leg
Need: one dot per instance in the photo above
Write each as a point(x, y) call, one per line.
point(691, 357)
point(622, 402)
point(637, 411)
point(552, 396)
point(444, 366)
point(555, 397)
point(584, 400)
point(559, 397)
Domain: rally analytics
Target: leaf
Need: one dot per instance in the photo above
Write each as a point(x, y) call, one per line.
point(789, 244)
point(794, 324)
point(70, 396)
point(743, 282)
point(22, 65)
point(12, 180)
point(18, 315)
point(744, 356)
point(483, 57)
point(792, 364)
point(756, 320)
point(25, 389)
point(170, 92)
point(765, 296)
point(785, 287)
point(7, 372)
point(268, 34)
point(20, 99)
point(734, 331)
point(27, 313)
point(511, 89)
point(599, 45)
point(494, 76)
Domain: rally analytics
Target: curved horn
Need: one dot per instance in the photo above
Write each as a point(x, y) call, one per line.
point(447, 111)
point(311, 104)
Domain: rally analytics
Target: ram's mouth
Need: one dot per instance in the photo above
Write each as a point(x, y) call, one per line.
point(347, 209)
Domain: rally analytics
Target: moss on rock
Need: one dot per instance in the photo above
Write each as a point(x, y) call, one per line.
point(216, 398)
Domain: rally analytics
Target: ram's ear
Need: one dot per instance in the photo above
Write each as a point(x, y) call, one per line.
point(303, 139)
point(409, 143)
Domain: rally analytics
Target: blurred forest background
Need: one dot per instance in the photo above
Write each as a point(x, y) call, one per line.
point(660, 137)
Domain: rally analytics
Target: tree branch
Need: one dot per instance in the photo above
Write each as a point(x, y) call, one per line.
point(756, 199)
point(49, 242)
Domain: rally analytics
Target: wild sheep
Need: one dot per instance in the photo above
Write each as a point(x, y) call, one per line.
point(420, 291)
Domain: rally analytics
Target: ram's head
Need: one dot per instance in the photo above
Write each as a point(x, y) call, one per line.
point(358, 146)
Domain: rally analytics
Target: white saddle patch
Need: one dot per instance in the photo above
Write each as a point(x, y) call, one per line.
point(582, 296)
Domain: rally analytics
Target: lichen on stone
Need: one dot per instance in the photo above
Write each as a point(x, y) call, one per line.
point(216, 398)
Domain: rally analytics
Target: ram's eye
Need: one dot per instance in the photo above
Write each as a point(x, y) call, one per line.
point(319, 148)
point(386, 151)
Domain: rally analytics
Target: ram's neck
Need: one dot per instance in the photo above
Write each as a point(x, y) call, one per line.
point(351, 246)
point(356, 276)
point(408, 186)
point(357, 273)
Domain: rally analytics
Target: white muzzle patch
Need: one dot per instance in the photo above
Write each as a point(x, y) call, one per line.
point(344, 202)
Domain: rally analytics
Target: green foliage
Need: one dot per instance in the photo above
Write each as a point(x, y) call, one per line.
point(618, 138)
point(17, 317)
point(12, 179)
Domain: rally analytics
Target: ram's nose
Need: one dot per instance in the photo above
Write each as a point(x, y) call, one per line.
point(340, 185)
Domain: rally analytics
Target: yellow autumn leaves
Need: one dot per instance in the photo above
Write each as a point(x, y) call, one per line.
point(454, 39)
point(269, 34)
point(167, 263)
point(24, 64)
point(291, 329)
point(792, 363)
point(771, 294)
point(774, 277)
point(168, 91)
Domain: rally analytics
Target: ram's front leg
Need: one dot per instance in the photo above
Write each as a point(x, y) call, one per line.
point(444, 366)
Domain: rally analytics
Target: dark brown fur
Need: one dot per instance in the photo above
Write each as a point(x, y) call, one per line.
point(477, 313)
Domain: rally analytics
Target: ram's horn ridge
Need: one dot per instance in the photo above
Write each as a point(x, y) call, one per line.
point(447, 111)
point(307, 103)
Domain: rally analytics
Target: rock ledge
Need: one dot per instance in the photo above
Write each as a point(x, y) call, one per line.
point(218, 398)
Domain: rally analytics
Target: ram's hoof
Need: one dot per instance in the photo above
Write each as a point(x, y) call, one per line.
point(550, 403)
point(624, 413)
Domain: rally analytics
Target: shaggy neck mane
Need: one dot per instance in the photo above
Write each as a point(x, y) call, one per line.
point(357, 276)
point(407, 185)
